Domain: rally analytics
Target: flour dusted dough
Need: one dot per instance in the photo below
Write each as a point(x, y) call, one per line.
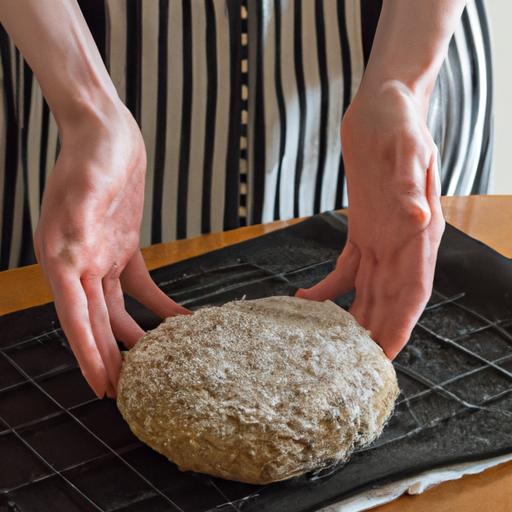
point(257, 390)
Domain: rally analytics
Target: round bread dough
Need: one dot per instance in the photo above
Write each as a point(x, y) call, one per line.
point(257, 390)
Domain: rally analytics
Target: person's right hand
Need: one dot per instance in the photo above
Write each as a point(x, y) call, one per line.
point(87, 241)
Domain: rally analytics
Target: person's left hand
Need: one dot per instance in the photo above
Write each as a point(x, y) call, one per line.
point(395, 218)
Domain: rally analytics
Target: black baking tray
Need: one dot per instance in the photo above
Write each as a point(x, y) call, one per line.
point(62, 449)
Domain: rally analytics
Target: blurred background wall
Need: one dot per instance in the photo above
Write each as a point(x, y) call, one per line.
point(500, 14)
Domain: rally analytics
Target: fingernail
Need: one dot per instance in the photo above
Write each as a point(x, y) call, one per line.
point(97, 391)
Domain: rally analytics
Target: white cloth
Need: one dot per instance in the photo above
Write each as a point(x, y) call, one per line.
point(413, 485)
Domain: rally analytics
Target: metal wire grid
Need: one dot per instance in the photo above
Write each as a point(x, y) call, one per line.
point(35, 374)
point(442, 388)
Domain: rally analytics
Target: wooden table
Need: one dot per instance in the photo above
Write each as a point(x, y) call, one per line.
point(487, 218)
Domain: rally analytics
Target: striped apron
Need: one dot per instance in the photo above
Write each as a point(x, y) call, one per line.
point(239, 103)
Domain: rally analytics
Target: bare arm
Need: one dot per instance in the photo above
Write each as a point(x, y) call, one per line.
point(395, 219)
point(54, 39)
point(87, 238)
point(411, 42)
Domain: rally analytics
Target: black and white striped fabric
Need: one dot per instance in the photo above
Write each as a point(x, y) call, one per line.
point(239, 103)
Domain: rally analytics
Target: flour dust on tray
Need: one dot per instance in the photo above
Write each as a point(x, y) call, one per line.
point(257, 390)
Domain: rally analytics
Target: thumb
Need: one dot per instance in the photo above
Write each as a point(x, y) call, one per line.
point(137, 282)
point(339, 281)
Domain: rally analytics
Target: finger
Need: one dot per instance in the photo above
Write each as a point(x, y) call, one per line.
point(124, 327)
point(71, 306)
point(339, 281)
point(362, 306)
point(137, 282)
point(102, 331)
point(395, 333)
point(398, 320)
point(394, 324)
point(375, 323)
point(386, 284)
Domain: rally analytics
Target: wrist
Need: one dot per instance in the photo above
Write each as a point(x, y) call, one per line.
point(88, 109)
point(418, 79)
point(379, 87)
point(84, 102)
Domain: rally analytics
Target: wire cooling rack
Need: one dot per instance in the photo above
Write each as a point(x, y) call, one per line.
point(63, 449)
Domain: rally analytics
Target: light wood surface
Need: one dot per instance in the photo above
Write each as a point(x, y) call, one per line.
point(486, 218)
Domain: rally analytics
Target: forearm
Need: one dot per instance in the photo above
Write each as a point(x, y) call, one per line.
point(54, 38)
point(411, 42)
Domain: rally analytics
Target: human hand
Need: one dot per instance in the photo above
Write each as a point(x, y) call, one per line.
point(395, 218)
point(87, 240)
